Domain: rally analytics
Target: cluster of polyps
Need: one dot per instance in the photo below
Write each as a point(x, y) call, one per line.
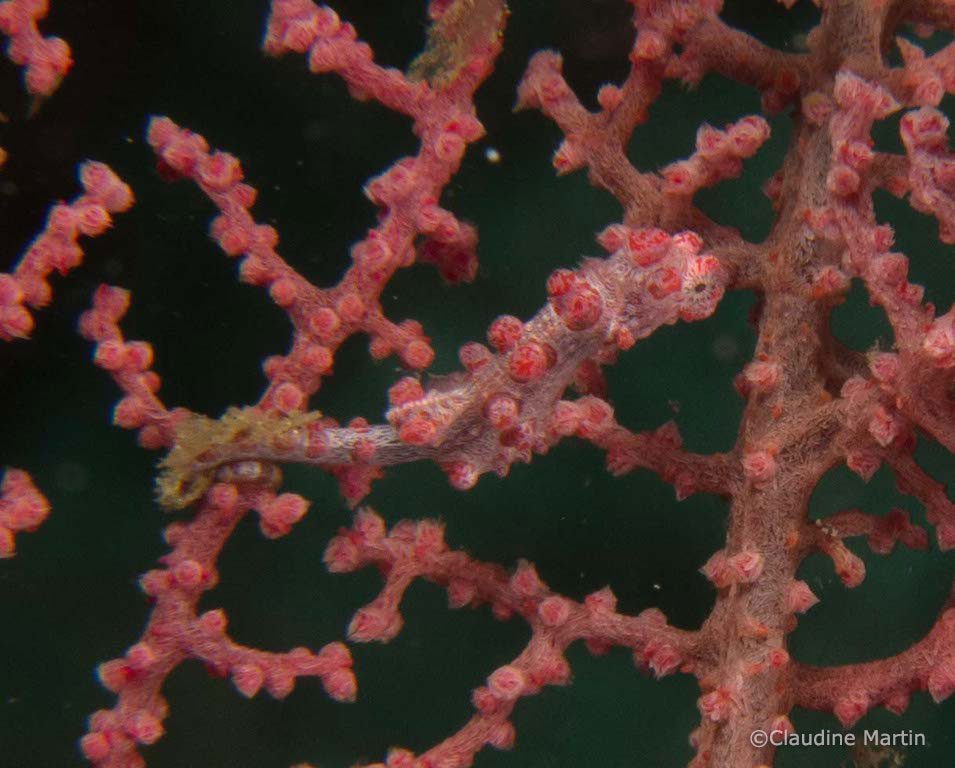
point(719, 155)
point(22, 508)
point(56, 248)
point(662, 277)
point(46, 59)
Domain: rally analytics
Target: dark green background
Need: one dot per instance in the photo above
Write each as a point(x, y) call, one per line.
point(69, 600)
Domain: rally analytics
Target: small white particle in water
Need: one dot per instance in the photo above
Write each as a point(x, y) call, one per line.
point(657, 587)
point(492, 155)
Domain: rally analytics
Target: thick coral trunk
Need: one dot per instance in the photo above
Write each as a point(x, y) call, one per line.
point(749, 626)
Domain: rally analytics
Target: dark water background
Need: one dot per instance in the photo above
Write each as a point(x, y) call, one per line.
point(69, 600)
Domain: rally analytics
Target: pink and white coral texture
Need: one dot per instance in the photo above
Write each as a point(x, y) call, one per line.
point(371, 352)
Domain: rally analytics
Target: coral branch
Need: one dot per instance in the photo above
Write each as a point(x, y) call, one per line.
point(22, 508)
point(598, 140)
point(931, 167)
point(175, 633)
point(923, 80)
point(129, 364)
point(827, 536)
point(891, 172)
point(56, 248)
point(852, 690)
point(939, 508)
point(932, 13)
point(47, 59)
point(660, 450)
point(882, 532)
point(407, 194)
point(923, 341)
point(719, 155)
point(713, 46)
point(417, 550)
